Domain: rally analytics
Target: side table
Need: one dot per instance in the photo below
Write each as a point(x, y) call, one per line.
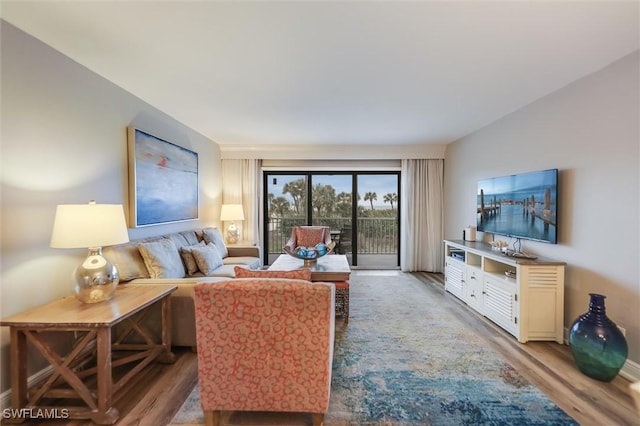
point(92, 352)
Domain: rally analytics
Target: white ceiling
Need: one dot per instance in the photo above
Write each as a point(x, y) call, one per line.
point(301, 72)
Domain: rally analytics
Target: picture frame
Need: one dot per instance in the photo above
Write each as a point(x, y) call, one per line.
point(163, 180)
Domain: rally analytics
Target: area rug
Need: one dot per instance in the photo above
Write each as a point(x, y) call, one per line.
point(405, 359)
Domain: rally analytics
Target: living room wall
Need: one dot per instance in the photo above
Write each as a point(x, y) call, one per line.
point(64, 142)
point(589, 130)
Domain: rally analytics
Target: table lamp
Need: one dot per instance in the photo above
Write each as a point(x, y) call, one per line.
point(91, 226)
point(231, 213)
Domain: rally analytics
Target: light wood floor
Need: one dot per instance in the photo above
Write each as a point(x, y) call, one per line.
point(161, 389)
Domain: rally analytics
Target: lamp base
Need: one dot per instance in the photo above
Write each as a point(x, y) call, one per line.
point(96, 278)
point(233, 234)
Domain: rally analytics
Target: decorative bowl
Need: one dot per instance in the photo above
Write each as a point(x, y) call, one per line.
point(310, 255)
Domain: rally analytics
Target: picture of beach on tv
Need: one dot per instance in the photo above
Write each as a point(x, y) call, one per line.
point(521, 206)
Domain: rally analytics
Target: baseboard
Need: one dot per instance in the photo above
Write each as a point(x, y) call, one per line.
point(5, 397)
point(630, 370)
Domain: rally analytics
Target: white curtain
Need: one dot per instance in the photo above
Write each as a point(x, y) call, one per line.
point(241, 184)
point(422, 218)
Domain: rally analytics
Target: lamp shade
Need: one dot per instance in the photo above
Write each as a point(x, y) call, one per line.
point(89, 225)
point(232, 212)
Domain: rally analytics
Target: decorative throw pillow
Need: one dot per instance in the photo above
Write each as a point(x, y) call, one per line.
point(191, 237)
point(128, 260)
point(298, 274)
point(188, 259)
point(309, 237)
point(162, 259)
point(207, 258)
point(178, 240)
point(213, 236)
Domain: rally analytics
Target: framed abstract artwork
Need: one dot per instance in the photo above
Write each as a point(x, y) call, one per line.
point(163, 180)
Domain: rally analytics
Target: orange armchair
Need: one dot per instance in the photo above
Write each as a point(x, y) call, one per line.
point(308, 236)
point(265, 344)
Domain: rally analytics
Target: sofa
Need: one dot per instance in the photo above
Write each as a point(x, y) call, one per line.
point(182, 259)
point(265, 344)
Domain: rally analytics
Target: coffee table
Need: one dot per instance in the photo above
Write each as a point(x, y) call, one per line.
point(332, 268)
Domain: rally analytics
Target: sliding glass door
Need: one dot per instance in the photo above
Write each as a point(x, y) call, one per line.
point(378, 220)
point(366, 231)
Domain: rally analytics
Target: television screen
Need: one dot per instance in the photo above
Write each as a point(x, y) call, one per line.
point(520, 206)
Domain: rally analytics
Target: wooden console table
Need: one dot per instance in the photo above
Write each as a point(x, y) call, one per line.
point(92, 352)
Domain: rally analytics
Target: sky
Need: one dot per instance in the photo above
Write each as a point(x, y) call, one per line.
point(507, 184)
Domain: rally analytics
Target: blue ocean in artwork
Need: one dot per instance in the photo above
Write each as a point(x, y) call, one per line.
point(166, 181)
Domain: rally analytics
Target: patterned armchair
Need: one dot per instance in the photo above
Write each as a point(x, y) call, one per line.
point(308, 236)
point(265, 344)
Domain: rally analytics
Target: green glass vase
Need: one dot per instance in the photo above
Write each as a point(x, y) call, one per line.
point(598, 346)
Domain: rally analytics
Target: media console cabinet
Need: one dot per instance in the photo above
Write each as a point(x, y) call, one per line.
point(523, 296)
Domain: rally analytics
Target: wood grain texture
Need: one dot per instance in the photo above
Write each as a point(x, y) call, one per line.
point(154, 397)
point(70, 312)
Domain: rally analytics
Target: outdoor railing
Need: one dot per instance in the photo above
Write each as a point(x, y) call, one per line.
point(375, 235)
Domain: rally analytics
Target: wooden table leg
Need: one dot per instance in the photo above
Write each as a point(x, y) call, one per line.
point(167, 357)
point(107, 414)
point(18, 373)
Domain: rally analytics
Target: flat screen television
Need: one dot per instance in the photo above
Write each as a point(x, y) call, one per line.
point(520, 206)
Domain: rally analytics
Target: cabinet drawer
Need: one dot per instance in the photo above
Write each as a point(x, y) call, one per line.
point(473, 288)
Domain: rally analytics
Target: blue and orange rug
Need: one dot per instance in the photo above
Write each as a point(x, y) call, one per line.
point(406, 359)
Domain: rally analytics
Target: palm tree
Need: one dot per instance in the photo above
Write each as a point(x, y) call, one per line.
point(279, 206)
point(344, 197)
point(371, 197)
point(297, 190)
point(391, 198)
point(323, 199)
point(343, 204)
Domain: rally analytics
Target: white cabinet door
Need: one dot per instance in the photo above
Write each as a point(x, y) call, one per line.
point(454, 277)
point(541, 304)
point(500, 302)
